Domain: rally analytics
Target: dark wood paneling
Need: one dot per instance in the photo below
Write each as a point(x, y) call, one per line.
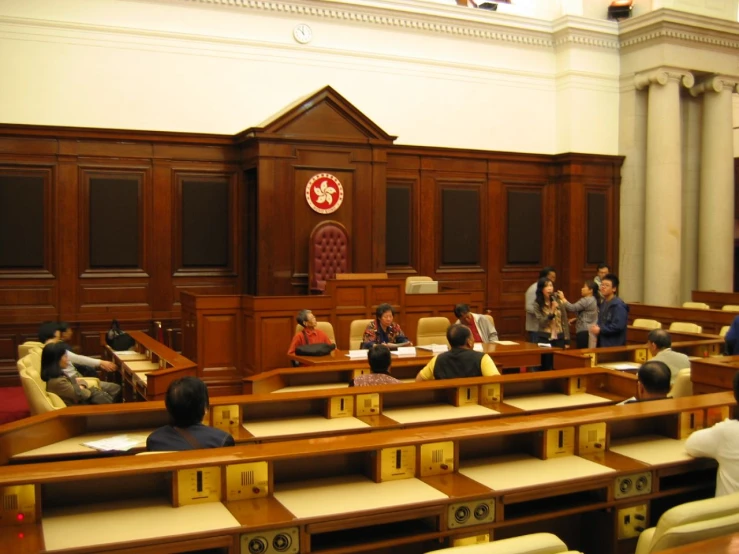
point(523, 232)
point(115, 221)
point(22, 213)
point(205, 223)
point(597, 232)
point(399, 239)
point(460, 227)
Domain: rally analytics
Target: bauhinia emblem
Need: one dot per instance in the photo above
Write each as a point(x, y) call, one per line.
point(324, 193)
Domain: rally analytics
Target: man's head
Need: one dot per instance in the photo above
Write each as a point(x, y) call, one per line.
point(549, 272)
point(459, 336)
point(48, 331)
point(379, 358)
point(658, 339)
point(602, 270)
point(654, 380)
point(186, 401)
point(463, 313)
point(609, 286)
point(306, 319)
point(66, 331)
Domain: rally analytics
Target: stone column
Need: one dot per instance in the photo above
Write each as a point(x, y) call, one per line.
point(716, 204)
point(663, 199)
point(691, 137)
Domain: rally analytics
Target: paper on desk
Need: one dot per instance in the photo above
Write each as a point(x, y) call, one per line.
point(435, 348)
point(621, 366)
point(119, 442)
point(478, 347)
point(405, 351)
point(544, 345)
point(357, 354)
point(505, 342)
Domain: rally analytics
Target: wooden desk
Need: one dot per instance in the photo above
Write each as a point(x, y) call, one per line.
point(148, 368)
point(713, 374)
point(579, 491)
point(728, 544)
point(710, 320)
point(637, 335)
point(523, 354)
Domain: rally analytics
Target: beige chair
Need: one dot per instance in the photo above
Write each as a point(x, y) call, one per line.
point(324, 326)
point(356, 332)
point(25, 348)
point(432, 330)
point(730, 308)
point(685, 327)
point(696, 305)
point(414, 279)
point(536, 543)
point(724, 330)
point(490, 319)
point(682, 386)
point(39, 401)
point(647, 324)
point(692, 522)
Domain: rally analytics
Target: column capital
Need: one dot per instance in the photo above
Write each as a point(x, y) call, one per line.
point(716, 83)
point(662, 76)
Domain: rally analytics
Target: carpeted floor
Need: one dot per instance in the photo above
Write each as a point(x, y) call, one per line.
point(13, 405)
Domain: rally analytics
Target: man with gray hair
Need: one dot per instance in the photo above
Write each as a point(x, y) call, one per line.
point(310, 334)
point(659, 343)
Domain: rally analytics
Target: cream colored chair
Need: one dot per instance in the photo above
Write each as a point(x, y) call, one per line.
point(490, 319)
point(724, 330)
point(25, 348)
point(696, 305)
point(356, 332)
point(691, 522)
point(324, 326)
point(647, 324)
point(536, 543)
point(730, 308)
point(685, 327)
point(39, 401)
point(682, 386)
point(414, 279)
point(432, 330)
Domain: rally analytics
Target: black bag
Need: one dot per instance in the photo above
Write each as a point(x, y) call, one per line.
point(118, 339)
point(321, 349)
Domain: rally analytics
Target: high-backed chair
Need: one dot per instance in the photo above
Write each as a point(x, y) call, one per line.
point(356, 332)
point(536, 543)
point(724, 330)
point(696, 305)
point(39, 401)
point(432, 330)
point(490, 319)
point(25, 348)
point(324, 326)
point(328, 254)
point(685, 327)
point(682, 386)
point(647, 324)
point(414, 279)
point(730, 308)
point(691, 522)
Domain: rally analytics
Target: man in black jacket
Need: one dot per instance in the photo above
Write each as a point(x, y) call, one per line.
point(461, 361)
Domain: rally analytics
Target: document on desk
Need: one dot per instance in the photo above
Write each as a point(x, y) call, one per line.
point(621, 366)
point(357, 354)
point(435, 348)
point(119, 442)
point(404, 351)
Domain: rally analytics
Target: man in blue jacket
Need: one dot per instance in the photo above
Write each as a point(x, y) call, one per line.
point(613, 315)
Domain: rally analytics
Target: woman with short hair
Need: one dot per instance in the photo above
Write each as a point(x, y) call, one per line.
point(383, 330)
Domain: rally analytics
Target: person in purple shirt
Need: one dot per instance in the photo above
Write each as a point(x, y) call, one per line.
point(379, 359)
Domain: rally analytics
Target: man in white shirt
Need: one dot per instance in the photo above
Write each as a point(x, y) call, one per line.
point(659, 343)
point(720, 442)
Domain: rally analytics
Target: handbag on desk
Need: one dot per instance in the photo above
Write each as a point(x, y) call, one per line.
point(118, 339)
point(321, 349)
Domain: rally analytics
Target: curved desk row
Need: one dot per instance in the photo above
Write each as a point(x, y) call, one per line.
point(580, 472)
point(65, 434)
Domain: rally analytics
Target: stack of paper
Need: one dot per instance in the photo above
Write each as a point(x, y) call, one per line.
point(478, 347)
point(119, 442)
point(405, 351)
point(435, 348)
point(505, 342)
point(357, 354)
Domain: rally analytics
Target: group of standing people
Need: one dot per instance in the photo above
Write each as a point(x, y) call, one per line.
point(601, 315)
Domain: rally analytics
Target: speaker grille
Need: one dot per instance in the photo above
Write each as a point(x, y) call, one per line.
point(633, 485)
point(466, 514)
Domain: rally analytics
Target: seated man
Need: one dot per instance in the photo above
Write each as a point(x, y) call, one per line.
point(50, 332)
point(654, 382)
point(379, 359)
point(187, 402)
point(720, 442)
point(461, 361)
point(659, 343)
point(310, 334)
point(482, 329)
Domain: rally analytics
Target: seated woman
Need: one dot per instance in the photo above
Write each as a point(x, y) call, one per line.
point(382, 330)
point(310, 334)
point(54, 361)
point(379, 359)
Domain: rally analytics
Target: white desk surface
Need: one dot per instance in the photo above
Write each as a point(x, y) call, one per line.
point(302, 425)
point(353, 493)
point(651, 449)
point(521, 470)
point(322, 386)
point(130, 356)
point(73, 445)
point(110, 523)
point(554, 400)
point(141, 366)
point(437, 412)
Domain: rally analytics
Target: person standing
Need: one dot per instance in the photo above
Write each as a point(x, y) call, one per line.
point(613, 315)
point(551, 318)
point(587, 314)
point(532, 325)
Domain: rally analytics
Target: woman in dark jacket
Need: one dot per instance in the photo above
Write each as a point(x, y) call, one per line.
point(552, 319)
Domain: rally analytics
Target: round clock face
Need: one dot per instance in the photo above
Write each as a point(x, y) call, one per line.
point(302, 33)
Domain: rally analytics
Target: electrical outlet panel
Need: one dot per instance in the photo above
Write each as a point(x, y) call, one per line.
point(358, 372)
point(474, 539)
point(592, 438)
point(640, 355)
point(716, 415)
point(467, 396)
point(577, 385)
point(631, 521)
point(197, 486)
point(18, 505)
point(225, 417)
point(437, 458)
point(368, 404)
point(632, 485)
point(490, 393)
point(689, 422)
point(397, 463)
point(466, 514)
point(558, 442)
point(340, 406)
point(245, 481)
